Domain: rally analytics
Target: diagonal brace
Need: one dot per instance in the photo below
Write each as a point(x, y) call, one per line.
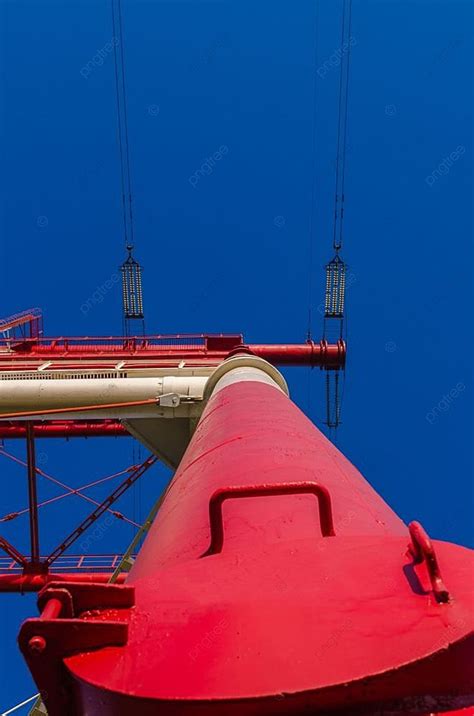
point(103, 507)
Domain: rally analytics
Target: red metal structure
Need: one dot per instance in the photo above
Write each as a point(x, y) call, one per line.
point(274, 580)
point(33, 357)
point(26, 325)
point(164, 350)
point(64, 429)
point(51, 355)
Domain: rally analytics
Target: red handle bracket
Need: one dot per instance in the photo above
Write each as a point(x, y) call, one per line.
point(423, 550)
point(272, 489)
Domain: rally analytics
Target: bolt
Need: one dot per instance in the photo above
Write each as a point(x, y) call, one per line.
point(36, 645)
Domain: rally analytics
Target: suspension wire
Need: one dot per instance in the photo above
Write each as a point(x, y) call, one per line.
point(71, 490)
point(342, 125)
point(117, 38)
point(313, 184)
point(334, 314)
point(338, 150)
point(125, 117)
point(131, 270)
point(18, 513)
point(344, 142)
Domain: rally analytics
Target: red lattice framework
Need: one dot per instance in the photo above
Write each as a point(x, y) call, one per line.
point(24, 350)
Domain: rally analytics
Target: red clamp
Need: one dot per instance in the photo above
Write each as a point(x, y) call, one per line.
point(62, 631)
point(423, 550)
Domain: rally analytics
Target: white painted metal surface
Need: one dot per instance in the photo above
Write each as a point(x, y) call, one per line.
point(45, 395)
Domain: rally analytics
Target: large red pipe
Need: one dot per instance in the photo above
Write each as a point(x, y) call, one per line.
point(274, 580)
point(322, 354)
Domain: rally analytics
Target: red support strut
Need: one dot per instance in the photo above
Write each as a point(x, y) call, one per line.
point(32, 494)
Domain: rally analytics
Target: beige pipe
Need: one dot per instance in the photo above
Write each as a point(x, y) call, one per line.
point(27, 395)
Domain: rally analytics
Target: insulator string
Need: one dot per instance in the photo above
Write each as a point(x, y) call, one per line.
point(336, 269)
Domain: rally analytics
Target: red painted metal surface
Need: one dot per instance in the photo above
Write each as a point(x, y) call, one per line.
point(24, 325)
point(63, 624)
point(423, 550)
point(35, 582)
point(104, 353)
point(32, 495)
point(161, 351)
point(285, 617)
point(216, 521)
point(67, 568)
point(64, 429)
point(41, 566)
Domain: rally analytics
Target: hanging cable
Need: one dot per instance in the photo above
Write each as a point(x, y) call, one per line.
point(344, 143)
point(336, 269)
point(125, 118)
point(313, 184)
point(132, 292)
point(346, 44)
point(132, 297)
point(71, 491)
point(122, 120)
point(119, 98)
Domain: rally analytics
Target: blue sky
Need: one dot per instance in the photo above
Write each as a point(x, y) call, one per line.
point(230, 252)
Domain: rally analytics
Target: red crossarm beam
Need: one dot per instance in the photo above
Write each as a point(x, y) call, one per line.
point(167, 350)
point(86, 353)
point(64, 429)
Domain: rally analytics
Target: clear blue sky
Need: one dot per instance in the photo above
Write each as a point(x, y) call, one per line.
point(231, 253)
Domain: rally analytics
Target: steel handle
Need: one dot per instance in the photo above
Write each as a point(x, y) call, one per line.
point(264, 490)
point(423, 550)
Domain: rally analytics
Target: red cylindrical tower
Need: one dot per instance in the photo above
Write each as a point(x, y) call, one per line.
point(274, 580)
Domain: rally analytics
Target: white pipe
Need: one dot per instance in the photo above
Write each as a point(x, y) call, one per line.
point(28, 395)
point(244, 367)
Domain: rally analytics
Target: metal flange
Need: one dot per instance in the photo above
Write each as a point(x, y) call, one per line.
point(241, 362)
